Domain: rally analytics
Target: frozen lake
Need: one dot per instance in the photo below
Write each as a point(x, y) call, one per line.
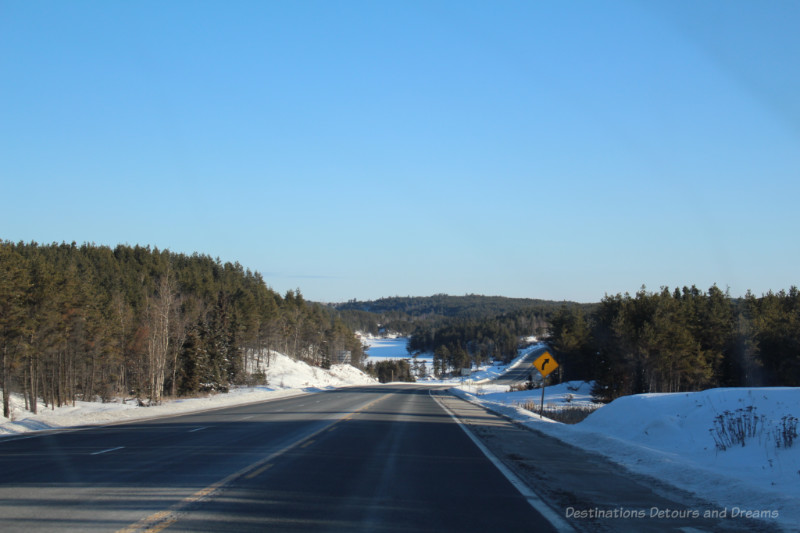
point(381, 349)
point(387, 348)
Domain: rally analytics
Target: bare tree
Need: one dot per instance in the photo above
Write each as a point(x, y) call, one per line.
point(161, 311)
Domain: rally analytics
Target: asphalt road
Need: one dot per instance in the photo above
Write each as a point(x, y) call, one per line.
point(359, 459)
point(523, 369)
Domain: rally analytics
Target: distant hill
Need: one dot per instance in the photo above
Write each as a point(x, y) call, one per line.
point(444, 305)
point(405, 314)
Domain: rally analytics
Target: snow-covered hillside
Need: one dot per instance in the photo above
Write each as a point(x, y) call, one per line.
point(285, 377)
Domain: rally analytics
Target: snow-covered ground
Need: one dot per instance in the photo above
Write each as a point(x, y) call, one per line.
point(285, 377)
point(669, 437)
point(568, 394)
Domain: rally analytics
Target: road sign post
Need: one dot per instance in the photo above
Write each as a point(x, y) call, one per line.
point(541, 405)
point(545, 364)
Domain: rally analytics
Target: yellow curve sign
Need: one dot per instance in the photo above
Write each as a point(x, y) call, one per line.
point(545, 364)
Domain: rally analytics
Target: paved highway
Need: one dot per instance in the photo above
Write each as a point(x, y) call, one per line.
point(522, 370)
point(361, 459)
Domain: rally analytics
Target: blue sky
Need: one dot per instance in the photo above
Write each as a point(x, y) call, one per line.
point(558, 150)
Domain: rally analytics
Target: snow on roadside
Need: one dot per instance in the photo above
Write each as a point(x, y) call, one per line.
point(286, 377)
point(567, 394)
point(668, 436)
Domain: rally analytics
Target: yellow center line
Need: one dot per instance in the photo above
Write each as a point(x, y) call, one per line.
point(258, 472)
point(162, 526)
point(163, 519)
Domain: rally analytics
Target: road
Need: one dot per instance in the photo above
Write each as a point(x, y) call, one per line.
point(522, 370)
point(372, 459)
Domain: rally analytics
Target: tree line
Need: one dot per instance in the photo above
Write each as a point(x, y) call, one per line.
point(388, 371)
point(403, 314)
point(680, 340)
point(88, 322)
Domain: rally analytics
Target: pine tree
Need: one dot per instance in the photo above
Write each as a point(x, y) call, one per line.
point(14, 283)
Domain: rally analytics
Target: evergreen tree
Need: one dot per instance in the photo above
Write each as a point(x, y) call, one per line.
point(571, 339)
point(14, 284)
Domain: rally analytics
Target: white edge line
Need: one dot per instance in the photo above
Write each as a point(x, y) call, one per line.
point(108, 450)
point(531, 497)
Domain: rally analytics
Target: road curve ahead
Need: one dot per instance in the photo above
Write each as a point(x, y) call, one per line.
point(522, 370)
point(384, 458)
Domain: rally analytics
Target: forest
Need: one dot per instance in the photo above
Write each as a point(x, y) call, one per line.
point(91, 322)
point(405, 314)
point(680, 340)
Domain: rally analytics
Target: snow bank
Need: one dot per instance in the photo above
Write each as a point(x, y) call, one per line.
point(287, 373)
point(571, 393)
point(286, 377)
point(679, 426)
